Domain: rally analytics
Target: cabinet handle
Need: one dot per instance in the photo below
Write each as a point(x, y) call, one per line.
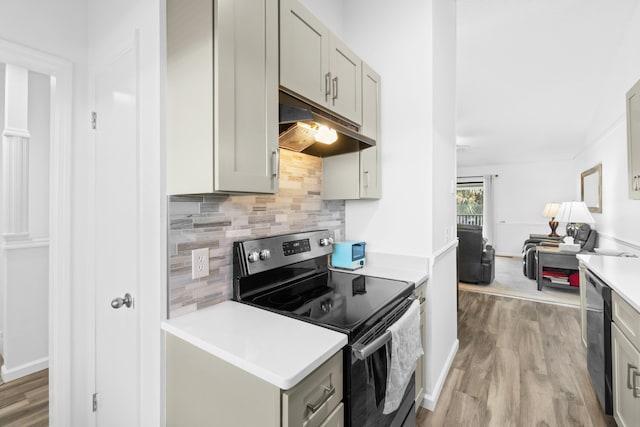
point(335, 89)
point(636, 389)
point(366, 179)
point(275, 163)
point(630, 367)
point(327, 84)
point(326, 394)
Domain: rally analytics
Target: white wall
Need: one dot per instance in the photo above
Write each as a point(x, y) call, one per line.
point(441, 328)
point(395, 40)
point(618, 223)
point(521, 192)
point(330, 12)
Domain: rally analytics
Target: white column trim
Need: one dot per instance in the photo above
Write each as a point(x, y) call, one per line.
point(61, 72)
point(22, 133)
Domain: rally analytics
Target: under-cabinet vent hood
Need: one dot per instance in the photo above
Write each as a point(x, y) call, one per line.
point(300, 123)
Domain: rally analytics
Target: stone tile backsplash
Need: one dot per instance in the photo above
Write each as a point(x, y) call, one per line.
point(216, 221)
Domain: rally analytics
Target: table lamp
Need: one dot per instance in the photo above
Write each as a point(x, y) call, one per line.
point(550, 211)
point(574, 213)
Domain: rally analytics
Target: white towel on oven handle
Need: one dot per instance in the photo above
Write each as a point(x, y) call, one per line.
point(406, 348)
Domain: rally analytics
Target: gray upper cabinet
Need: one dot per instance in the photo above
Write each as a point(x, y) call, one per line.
point(370, 159)
point(358, 175)
point(222, 96)
point(304, 53)
point(346, 80)
point(633, 140)
point(316, 65)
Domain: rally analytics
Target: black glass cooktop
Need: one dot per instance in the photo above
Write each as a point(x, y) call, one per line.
point(343, 301)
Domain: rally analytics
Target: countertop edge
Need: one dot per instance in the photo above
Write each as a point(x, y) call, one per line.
point(252, 368)
point(586, 260)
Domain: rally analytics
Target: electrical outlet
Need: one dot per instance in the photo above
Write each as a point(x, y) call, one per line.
point(199, 263)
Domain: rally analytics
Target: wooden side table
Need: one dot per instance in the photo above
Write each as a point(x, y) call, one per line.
point(554, 258)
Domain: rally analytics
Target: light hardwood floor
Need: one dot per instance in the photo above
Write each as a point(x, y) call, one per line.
point(520, 363)
point(25, 402)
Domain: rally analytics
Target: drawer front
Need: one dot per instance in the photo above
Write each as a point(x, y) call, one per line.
point(626, 361)
point(336, 419)
point(310, 402)
point(626, 318)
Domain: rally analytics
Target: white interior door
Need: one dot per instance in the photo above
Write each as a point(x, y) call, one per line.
point(117, 240)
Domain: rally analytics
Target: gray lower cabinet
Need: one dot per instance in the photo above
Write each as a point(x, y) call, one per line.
point(203, 390)
point(633, 140)
point(625, 349)
point(222, 96)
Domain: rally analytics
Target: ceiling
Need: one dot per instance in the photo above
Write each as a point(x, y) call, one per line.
point(529, 73)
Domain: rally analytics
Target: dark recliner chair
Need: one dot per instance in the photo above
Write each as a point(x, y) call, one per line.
point(586, 238)
point(476, 259)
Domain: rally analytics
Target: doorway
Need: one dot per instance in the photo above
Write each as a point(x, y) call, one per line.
point(55, 73)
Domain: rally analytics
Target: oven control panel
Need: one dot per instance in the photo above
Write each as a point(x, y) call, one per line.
point(267, 253)
point(296, 247)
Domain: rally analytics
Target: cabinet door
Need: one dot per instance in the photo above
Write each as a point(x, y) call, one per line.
point(626, 366)
point(341, 177)
point(370, 173)
point(304, 53)
point(189, 97)
point(222, 96)
point(346, 80)
point(246, 105)
point(583, 303)
point(370, 103)
point(633, 140)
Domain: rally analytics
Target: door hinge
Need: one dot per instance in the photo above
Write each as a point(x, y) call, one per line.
point(94, 120)
point(95, 402)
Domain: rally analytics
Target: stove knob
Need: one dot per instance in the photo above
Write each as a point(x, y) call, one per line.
point(253, 256)
point(326, 241)
point(265, 254)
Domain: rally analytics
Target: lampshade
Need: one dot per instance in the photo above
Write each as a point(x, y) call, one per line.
point(574, 212)
point(551, 210)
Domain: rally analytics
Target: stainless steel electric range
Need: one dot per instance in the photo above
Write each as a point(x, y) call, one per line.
point(289, 274)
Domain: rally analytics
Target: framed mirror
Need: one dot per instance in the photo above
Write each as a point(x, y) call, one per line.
point(591, 188)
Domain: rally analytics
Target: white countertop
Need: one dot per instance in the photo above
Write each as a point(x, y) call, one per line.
point(273, 347)
point(622, 274)
point(392, 266)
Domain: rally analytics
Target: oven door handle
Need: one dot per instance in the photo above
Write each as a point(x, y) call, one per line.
point(362, 352)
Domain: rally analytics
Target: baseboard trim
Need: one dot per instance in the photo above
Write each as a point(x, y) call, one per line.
point(24, 370)
point(429, 401)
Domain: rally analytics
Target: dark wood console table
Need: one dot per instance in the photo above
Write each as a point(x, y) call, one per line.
point(550, 257)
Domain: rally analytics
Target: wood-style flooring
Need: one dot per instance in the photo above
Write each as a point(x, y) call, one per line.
point(25, 402)
point(520, 363)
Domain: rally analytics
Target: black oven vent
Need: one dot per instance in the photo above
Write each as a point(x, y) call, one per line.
point(381, 327)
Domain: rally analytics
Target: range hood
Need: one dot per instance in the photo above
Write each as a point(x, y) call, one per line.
point(299, 122)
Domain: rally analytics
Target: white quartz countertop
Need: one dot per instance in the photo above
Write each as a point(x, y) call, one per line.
point(393, 266)
point(273, 347)
point(622, 274)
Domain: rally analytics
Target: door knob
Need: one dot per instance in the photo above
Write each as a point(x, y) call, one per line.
point(119, 302)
